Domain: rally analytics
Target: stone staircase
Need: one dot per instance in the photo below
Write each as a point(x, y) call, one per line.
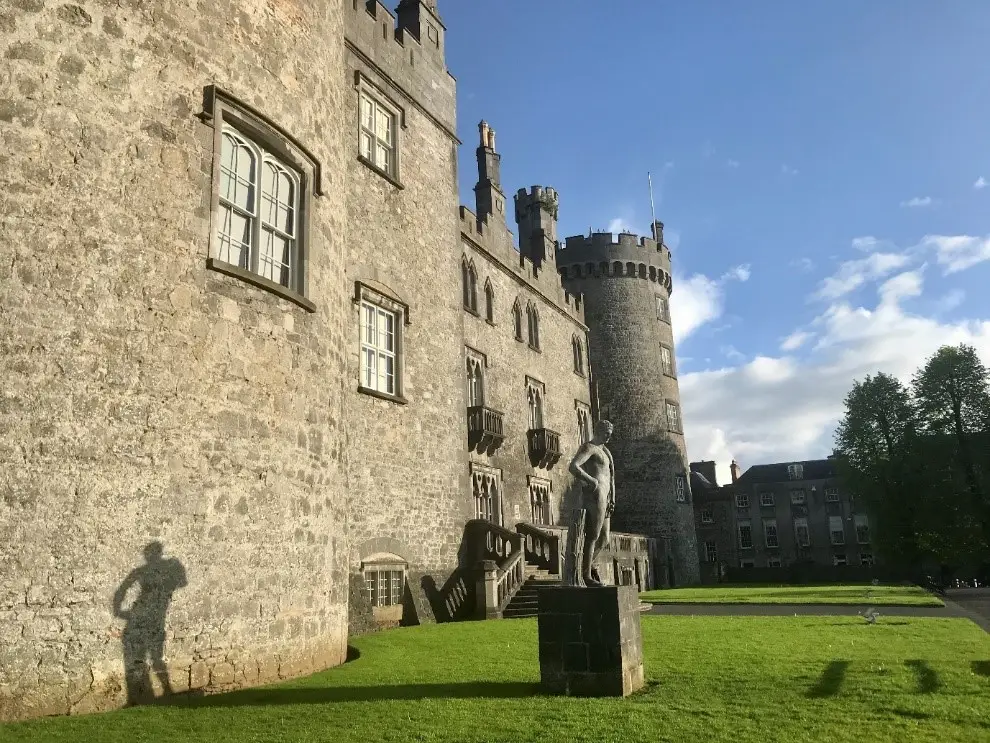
point(526, 603)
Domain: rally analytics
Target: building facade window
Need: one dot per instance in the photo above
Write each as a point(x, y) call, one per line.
point(517, 325)
point(770, 532)
point(707, 516)
point(766, 500)
point(578, 350)
point(489, 302)
point(866, 559)
point(862, 522)
point(773, 562)
point(745, 531)
point(469, 281)
point(583, 421)
point(797, 497)
point(742, 500)
point(795, 471)
point(476, 363)
point(540, 501)
point(674, 417)
point(667, 360)
point(486, 485)
point(801, 534)
point(384, 580)
point(663, 309)
point(837, 533)
point(379, 348)
point(680, 489)
point(831, 495)
point(747, 562)
point(533, 323)
point(839, 560)
point(711, 551)
point(378, 134)
point(535, 392)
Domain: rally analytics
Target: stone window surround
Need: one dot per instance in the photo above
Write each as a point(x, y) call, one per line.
point(795, 471)
point(577, 350)
point(831, 495)
point(742, 500)
point(384, 562)
point(767, 500)
point(801, 524)
point(707, 516)
point(711, 551)
point(366, 293)
point(861, 522)
point(537, 486)
point(679, 428)
point(479, 361)
point(469, 285)
point(221, 107)
point(680, 489)
point(673, 363)
point(839, 560)
point(517, 327)
point(744, 524)
point(364, 84)
point(583, 410)
point(773, 562)
point(798, 497)
point(533, 326)
point(768, 535)
point(535, 389)
point(489, 302)
point(483, 474)
point(663, 308)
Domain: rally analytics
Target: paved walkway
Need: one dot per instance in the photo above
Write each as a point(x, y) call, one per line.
point(962, 603)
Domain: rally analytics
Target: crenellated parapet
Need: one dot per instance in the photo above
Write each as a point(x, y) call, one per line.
point(408, 47)
point(603, 254)
point(495, 240)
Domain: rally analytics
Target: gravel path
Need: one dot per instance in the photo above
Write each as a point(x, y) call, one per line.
point(962, 603)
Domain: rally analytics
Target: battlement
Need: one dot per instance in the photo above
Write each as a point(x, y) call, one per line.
point(538, 193)
point(408, 47)
point(603, 254)
point(497, 241)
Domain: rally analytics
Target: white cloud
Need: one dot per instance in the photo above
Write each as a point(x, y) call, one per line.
point(698, 300)
point(853, 274)
point(867, 243)
point(958, 252)
point(803, 264)
point(981, 182)
point(732, 163)
point(731, 352)
point(619, 224)
point(918, 201)
point(950, 300)
point(902, 286)
point(786, 169)
point(776, 409)
point(795, 340)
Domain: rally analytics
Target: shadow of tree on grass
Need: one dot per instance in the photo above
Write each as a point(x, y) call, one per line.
point(831, 680)
point(928, 680)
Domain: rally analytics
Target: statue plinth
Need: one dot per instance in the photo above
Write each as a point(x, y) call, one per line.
point(591, 643)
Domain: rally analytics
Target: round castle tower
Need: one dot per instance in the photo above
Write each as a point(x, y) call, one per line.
point(626, 286)
point(171, 458)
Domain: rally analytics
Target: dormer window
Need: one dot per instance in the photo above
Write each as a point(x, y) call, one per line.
point(795, 471)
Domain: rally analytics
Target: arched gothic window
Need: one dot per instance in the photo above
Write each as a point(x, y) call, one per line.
point(578, 349)
point(535, 398)
point(475, 381)
point(533, 318)
point(517, 320)
point(489, 302)
point(485, 485)
point(469, 278)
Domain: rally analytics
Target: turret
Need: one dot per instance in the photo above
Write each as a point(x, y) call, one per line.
point(420, 19)
point(536, 215)
point(489, 198)
point(625, 283)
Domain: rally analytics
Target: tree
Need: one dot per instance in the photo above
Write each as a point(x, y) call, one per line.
point(952, 398)
point(876, 443)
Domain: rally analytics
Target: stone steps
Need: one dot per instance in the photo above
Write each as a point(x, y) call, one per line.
point(526, 601)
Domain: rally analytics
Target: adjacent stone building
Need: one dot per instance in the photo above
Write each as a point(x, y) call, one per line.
point(793, 519)
point(262, 378)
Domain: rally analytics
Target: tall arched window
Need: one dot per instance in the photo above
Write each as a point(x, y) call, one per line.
point(475, 381)
point(533, 318)
point(489, 301)
point(535, 397)
point(469, 278)
point(578, 349)
point(517, 320)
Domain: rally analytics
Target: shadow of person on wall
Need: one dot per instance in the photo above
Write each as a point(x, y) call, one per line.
point(144, 634)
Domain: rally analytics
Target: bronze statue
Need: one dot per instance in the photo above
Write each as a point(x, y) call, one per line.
point(593, 465)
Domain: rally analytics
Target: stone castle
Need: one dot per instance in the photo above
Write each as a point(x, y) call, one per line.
point(264, 384)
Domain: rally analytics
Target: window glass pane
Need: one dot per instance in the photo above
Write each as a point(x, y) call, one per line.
point(370, 325)
point(383, 128)
point(367, 113)
point(237, 172)
point(274, 259)
point(367, 145)
point(234, 237)
point(370, 367)
point(386, 331)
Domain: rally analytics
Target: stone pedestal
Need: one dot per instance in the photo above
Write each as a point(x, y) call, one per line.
point(591, 643)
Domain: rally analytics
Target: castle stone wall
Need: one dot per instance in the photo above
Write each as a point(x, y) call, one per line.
point(408, 477)
point(144, 398)
point(626, 334)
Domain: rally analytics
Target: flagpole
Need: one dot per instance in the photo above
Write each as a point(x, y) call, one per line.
point(653, 211)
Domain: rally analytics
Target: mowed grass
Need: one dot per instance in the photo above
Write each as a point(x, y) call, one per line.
point(735, 679)
point(849, 595)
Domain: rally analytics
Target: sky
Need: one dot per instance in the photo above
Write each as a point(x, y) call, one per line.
point(822, 169)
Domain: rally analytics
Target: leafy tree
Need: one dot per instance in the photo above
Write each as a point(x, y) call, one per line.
point(952, 397)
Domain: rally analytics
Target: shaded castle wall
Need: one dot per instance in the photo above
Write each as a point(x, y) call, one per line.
point(408, 489)
point(144, 397)
point(626, 334)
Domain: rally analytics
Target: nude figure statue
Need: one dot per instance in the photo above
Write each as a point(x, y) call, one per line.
point(593, 465)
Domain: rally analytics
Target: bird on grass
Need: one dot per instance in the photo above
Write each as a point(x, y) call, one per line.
point(870, 615)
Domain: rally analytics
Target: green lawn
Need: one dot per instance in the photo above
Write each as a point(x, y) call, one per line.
point(735, 679)
point(857, 595)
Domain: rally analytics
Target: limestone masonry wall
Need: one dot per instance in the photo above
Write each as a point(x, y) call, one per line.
point(147, 403)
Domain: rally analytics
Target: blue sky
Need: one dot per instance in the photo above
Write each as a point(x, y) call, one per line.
point(816, 165)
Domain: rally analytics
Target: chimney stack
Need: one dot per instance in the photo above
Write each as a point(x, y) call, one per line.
point(734, 469)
